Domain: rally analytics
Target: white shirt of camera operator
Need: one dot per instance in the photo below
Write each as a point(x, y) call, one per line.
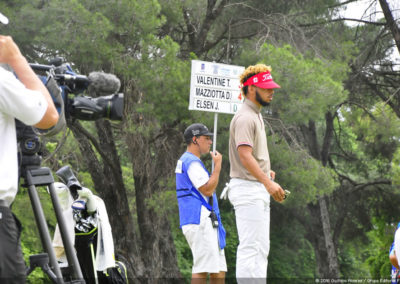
point(28, 106)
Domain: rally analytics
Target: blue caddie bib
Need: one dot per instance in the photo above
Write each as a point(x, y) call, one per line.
point(190, 200)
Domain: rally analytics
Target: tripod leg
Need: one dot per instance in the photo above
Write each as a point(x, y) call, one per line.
point(49, 272)
point(73, 262)
point(44, 230)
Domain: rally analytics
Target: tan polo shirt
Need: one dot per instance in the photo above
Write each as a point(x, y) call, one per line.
point(247, 128)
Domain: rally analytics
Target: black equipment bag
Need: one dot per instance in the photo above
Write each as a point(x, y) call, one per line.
point(84, 244)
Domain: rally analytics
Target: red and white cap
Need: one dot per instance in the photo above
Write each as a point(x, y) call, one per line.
point(262, 80)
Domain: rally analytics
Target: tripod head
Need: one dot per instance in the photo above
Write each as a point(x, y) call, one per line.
point(29, 148)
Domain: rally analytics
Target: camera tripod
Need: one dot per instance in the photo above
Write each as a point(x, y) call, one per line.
point(41, 176)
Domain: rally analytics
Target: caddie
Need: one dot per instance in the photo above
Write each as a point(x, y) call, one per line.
point(199, 214)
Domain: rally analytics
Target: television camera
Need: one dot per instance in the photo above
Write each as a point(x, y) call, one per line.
point(65, 86)
point(84, 107)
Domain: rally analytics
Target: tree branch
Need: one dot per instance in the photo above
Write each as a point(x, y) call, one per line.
point(190, 28)
point(327, 138)
point(211, 15)
point(94, 142)
point(342, 20)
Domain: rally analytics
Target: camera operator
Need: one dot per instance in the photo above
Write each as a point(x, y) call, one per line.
point(27, 100)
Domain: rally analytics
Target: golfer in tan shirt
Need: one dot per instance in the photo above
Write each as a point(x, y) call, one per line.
point(251, 183)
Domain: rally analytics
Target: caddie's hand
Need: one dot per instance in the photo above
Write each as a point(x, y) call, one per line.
point(9, 51)
point(276, 191)
point(217, 157)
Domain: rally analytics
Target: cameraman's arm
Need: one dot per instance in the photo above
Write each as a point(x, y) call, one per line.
point(10, 54)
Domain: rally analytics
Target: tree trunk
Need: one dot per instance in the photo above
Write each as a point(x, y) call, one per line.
point(197, 36)
point(158, 248)
point(394, 28)
point(316, 237)
point(310, 138)
point(323, 243)
point(321, 239)
point(153, 152)
point(113, 192)
point(333, 267)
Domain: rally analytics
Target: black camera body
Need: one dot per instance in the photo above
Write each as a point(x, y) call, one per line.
point(87, 108)
point(64, 85)
point(83, 107)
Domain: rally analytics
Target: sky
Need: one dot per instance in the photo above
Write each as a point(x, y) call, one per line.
point(362, 9)
point(370, 10)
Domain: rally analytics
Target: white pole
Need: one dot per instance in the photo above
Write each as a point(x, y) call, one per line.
point(215, 136)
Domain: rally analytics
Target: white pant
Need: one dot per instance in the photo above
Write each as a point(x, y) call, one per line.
point(203, 241)
point(250, 200)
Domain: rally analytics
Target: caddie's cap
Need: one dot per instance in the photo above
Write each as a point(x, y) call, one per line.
point(3, 19)
point(196, 129)
point(262, 80)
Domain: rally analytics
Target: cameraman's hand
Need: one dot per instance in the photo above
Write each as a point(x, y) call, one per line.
point(11, 55)
point(9, 51)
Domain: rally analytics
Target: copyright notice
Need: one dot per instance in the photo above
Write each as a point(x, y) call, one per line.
point(366, 280)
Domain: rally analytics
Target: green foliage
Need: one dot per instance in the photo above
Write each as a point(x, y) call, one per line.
point(352, 259)
point(23, 210)
point(164, 78)
point(51, 147)
point(378, 250)
point(183, 252)
point(86, 180)
point(396, 168)
point(369, 146)
point(36, 276)
point(298, 172)
point(288, 251)
point(310, 87)
point(30, 241)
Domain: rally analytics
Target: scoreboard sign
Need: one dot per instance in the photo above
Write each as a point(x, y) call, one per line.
point(214, 87)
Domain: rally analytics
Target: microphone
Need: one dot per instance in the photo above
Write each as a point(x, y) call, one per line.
point(103, 83)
